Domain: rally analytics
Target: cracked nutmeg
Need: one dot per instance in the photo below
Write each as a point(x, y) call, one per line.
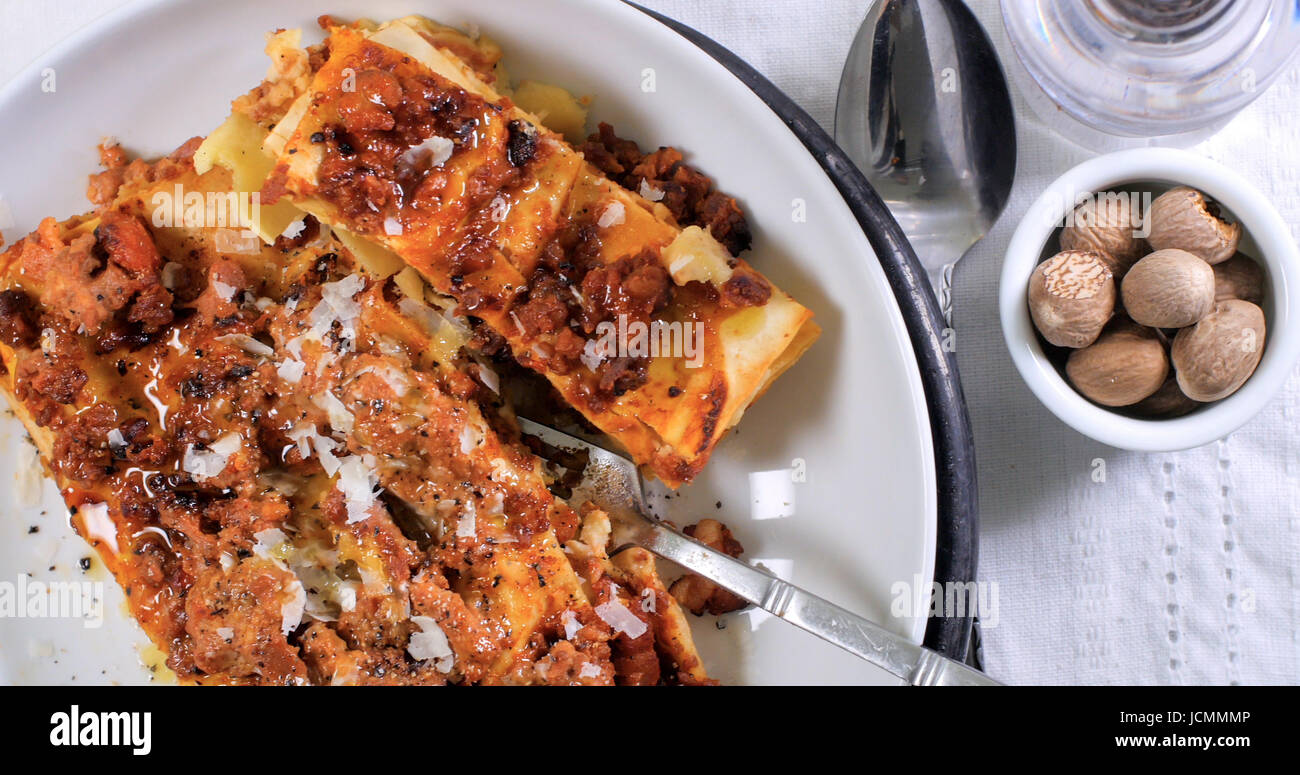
point(1183, 218)
point(1071, 296)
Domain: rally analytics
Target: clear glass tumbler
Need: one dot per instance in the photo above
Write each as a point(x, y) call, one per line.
point(1160, 70)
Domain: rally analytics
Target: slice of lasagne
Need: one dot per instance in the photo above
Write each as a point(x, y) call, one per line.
point(655, 333)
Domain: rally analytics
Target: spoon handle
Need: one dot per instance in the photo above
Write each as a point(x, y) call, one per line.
point(862, 637)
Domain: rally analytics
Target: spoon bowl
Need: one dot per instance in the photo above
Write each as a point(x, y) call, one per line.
point(925, 113)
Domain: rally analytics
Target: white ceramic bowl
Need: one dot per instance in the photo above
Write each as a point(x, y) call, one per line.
point(1266, 238)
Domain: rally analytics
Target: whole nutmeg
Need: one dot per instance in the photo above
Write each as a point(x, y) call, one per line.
point(1071, 296)
point(1107, 223)
point(1217, 355)
point(1239, 278)
point(1170, 288)
point(1166, 403)
point(1183, 218)
point(1126, 364)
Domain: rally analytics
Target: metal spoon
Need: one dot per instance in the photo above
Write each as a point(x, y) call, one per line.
point(924, 111)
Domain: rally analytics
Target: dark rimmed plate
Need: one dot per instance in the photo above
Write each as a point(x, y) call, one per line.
point(957, 549)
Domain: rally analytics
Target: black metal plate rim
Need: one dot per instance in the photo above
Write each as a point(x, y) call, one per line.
point(957, 535)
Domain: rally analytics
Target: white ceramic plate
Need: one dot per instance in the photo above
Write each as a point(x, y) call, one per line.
point(851, 414)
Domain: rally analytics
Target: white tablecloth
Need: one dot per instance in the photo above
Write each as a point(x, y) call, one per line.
point(1178, 568)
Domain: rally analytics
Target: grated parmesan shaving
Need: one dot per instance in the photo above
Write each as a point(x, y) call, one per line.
point(647, 191)
point(247, 343)
point(208, 463)
point(503, 471)
point(116, 441)
point(341, 419)
point(466, 526)
point(325, 450)
point(226, 292)
point(270, 544)
point(616, 615)
point(589, 671)
point(571, 624)
point(358, 482)
point(317, 580)
point(171, 275)
point(469, 439)
point(431, 643)
point(347, 596)
point(414, 309)
point(437, 148)
point(593, 354)
point(302, 435)
point(519, 326)
point(448, 333)
point(294, 229)
point(613, 215)
point(489, 379)
point(392, 226)
point(292, 609)
point(290, 370)
point(337, 305)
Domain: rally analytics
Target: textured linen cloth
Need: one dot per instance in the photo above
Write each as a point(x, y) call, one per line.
point(1177, 568)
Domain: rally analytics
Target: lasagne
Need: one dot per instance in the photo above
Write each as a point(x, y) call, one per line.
point(283, 427)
